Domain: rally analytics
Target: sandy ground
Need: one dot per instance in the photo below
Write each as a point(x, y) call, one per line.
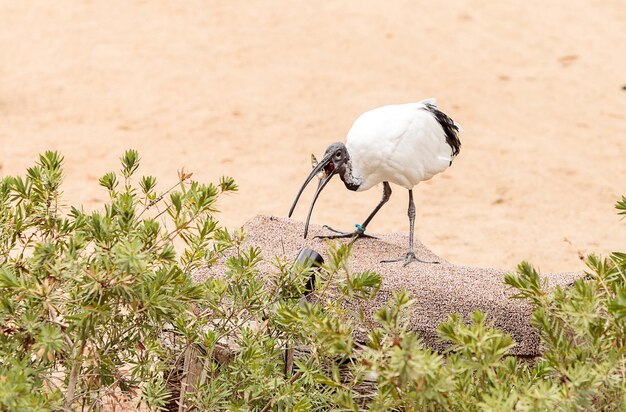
point(250, 89)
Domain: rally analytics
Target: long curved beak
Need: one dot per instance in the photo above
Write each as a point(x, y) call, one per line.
point(322, 183)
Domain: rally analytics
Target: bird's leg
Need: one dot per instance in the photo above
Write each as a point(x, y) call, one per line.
point(410, 255)
point(360, 229)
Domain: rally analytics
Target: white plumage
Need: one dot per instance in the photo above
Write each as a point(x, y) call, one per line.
point(403, 144)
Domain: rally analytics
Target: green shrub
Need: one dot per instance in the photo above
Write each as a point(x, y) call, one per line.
point(97, 311)
point(84, 296)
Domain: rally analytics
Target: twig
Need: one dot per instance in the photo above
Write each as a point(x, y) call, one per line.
point(76, 366)
point(160, 197)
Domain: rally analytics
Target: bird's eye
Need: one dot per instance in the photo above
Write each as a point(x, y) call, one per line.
point(338, 155)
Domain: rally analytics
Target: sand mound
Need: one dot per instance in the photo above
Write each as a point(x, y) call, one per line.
point(439, 290)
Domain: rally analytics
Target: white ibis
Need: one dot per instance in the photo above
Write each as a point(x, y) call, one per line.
point(403, 144)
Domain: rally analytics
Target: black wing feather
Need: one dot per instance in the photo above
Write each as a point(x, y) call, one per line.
point(449, 127)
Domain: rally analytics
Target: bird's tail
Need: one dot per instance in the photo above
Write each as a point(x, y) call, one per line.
point(433, 102)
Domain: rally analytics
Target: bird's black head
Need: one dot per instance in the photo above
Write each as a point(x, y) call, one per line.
point(334, 162)
point(338, 157)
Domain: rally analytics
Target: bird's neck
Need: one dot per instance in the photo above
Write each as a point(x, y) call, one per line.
point(349, 178)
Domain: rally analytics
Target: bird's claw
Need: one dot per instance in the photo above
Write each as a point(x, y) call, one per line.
point(358, 233)
point(409, 258)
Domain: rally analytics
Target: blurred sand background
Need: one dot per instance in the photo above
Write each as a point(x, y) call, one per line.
point(251, 88)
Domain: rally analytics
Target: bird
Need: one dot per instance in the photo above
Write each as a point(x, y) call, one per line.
point(403, 144)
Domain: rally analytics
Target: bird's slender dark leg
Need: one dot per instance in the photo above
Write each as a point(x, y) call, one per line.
point(410, 255)
point(360, 231)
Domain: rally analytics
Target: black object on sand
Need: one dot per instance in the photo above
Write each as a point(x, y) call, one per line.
point(309, 257)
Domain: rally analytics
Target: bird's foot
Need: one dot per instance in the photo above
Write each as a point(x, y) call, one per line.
point(409, 258)
point(358, 233)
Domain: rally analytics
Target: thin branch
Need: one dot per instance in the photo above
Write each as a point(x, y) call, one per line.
point(76, 366)
point(160, 197)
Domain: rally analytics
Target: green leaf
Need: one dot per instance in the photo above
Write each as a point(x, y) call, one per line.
point(617, 305)
point(130, 162)
point(528, 283)
point(621, 206)
point(7, 278)
point(109, 181)
point(147, 184)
